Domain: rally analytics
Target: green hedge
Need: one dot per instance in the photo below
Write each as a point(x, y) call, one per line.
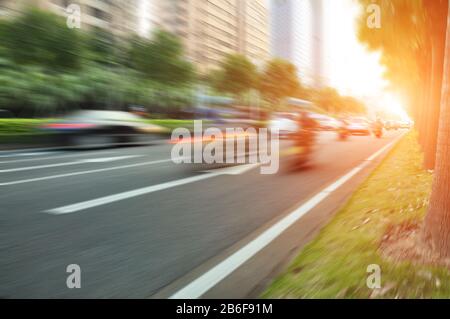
point(20, 126)
point(28, 126)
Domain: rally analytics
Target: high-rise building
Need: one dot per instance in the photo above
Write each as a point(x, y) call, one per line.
point(149, 16)
point(297, 35)
point(256, 30)
point(211, 29)
point(10, 8)
point(120, 17)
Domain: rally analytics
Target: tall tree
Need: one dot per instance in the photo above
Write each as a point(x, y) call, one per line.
point(331, 101)
point(352, 105)
point(161, 59)
point(328, 99)
point(41, 38)
point(437, 221)
point(102, 47)
point(279, 81)
point(236, 76)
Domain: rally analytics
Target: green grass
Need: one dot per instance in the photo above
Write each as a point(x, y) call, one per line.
point(334, 264)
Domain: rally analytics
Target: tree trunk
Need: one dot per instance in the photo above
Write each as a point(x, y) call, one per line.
point(437, 221)
point(437, 17)
point(433, 109)
point(421, 121)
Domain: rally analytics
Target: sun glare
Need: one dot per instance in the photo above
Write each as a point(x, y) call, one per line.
point(353, 69)
point(393, 105)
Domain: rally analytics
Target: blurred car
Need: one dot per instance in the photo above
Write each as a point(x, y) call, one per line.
point(358, 126)
point(391, 125)
point(326, 123)
point(88, 128)
point(405, 124)
point(388, 125)
point(286, 124)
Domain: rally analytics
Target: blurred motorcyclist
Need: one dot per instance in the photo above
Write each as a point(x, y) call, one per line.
point(342, 131)
point(377, 127)
point(307, 122)
point(303, 141)
point(307, 130)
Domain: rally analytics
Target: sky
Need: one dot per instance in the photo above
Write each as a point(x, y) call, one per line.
point(351, 68)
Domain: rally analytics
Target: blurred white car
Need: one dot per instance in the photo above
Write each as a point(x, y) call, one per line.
point(285, 123)
point(358, 126)
point(326, 123)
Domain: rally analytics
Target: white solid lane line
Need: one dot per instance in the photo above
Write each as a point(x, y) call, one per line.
point(212, 277)
point(107, 159)
point(147, 190)
point(35, 159)
point(9, 154)
point(37, 179)
point(83, 161)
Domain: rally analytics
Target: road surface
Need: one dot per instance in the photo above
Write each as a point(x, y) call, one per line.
point(135, 222)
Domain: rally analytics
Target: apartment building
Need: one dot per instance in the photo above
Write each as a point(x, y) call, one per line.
point(211, 29)
point(256, 30)
point(120, 17)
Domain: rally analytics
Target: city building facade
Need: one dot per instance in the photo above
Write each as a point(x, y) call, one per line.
point(297, 36)
point(120, 17)
point(212, 29)
point(209, 29)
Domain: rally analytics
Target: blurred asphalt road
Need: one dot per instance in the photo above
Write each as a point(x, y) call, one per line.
point(133, 247)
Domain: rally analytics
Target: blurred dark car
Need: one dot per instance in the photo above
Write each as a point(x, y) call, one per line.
point(358, 126)
point(98, 128)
